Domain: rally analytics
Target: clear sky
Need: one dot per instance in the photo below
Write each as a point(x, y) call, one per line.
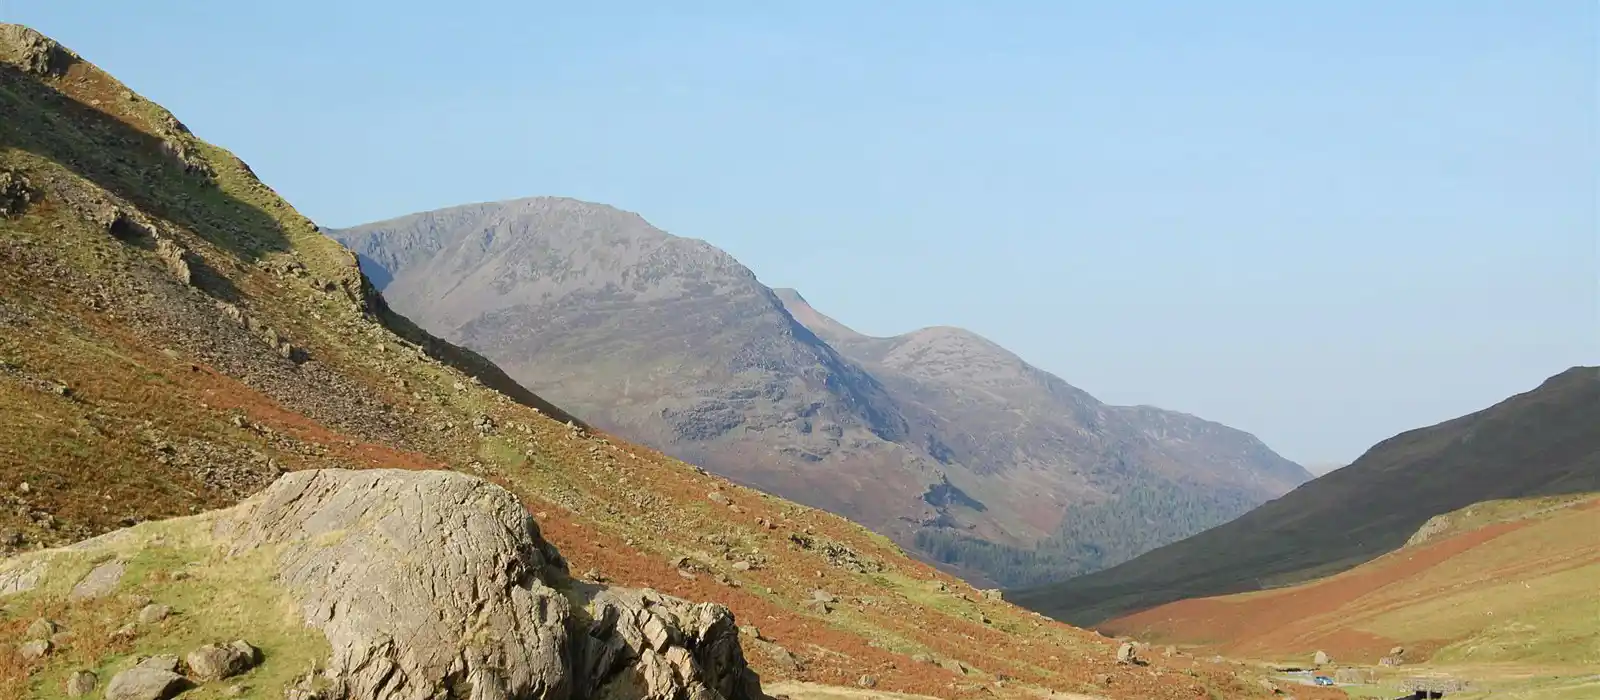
point(1322, 222)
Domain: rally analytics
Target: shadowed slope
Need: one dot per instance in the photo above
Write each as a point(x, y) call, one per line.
point(1542, 442)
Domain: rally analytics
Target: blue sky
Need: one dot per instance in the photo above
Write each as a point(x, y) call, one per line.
point(1322, 222)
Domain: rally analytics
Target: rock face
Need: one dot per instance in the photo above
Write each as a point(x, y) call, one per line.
point(430, 584)
point(935, 438)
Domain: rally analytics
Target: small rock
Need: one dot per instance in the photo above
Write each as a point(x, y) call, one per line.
point(1397, 651)
point(1127, 653)
point(1321, 658)
point(1103, 679)
point(42, 629)
point(741, 566)
point(593, 575)
point(954, 666)
point(867, 681)
point(36, 649)
point(236, 690)
point(1269, 686)
point(81, 683)
point(24, 487)
point(921, 658)
point(153, 613)
point(155, 678)
point(719, 498)
point(822, 596)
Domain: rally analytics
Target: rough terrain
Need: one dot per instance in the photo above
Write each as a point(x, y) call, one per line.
point(939, 439)
point(174, 337)
point(423, 584)
point(1539, 443)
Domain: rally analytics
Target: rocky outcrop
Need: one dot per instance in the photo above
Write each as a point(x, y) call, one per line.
point(437, 584)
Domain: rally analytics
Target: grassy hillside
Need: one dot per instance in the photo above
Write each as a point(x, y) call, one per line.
point(1539, 443)
point(1506, 582)
point(173, 336)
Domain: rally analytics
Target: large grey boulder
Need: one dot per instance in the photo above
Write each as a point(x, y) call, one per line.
point(437, 584)
point(155, 678)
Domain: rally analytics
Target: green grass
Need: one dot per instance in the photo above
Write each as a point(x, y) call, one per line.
point(214, 597)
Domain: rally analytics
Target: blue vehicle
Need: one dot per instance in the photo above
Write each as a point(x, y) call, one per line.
point(1322, 680)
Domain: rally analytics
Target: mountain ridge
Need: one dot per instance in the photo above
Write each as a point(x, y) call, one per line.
point(690, 353)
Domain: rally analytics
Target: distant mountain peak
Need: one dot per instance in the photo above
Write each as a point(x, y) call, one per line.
point(673, 342)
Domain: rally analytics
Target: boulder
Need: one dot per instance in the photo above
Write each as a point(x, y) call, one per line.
point(42, 629)
point(155, 678)
point(35, 650)
point(1128, 653)
point(430, 583)
point(153, 613)
point(214, 662)
point(81, 683)
point(1321, 658)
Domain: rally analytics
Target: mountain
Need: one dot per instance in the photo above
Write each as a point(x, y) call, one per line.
point(174, 337)
point(1544, 442)
point(939, 438)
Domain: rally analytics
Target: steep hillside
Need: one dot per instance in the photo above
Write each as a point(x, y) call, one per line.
point(174, 337)
point(1501, 582)
point(1131, 478)
point(1540, 443)
point(939, 439)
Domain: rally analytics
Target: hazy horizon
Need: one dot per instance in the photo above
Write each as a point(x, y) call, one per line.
point(1322, 223)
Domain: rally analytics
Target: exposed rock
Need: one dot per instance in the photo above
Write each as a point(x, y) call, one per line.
point(752, 631)
point(34, 52)
point(42, 629)
point(101, 581)
point(81, 683)
point(1269, 686)
point(822, 596)
point(1321, 658)
point(20, 579)
point(922, 658)
point(36, 649)
point(15, 194)
point(428, 581)
point(1128, 653)
point(867, 681)
point(155, 678)
point(153, 613)
point(643, 641)
point(1397, 651)
point(992, 594)
point(954, 666)
point(176, 258)
point(719, 497)
point(214, 662)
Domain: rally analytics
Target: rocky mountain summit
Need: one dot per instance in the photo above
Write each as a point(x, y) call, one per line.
point(423, 584)
point(938, 438)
